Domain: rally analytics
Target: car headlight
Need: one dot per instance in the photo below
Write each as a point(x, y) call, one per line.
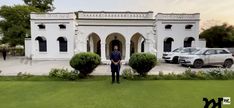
point(169, 54)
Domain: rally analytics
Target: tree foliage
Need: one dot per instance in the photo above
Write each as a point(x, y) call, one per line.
point(85, 62)
point(219, 36)
point(43, 5)
point(143, 62)
point(15, 23)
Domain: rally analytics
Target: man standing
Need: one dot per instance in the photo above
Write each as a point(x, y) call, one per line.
point(115, 64)
point(4, 53)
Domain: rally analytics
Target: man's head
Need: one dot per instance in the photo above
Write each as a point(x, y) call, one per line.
point(115, 47)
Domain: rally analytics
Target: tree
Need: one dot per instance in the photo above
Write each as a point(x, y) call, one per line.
point(42, 5)
point(219, 36)
point(15, 23)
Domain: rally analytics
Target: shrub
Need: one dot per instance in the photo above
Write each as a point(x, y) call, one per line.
point(128, 73)
point(142, 62)
point(24, 75)
point(85, 62)
point(63, 74)
point(214, 74)
point(220, 74)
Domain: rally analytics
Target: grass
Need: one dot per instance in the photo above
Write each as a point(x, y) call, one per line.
point(99, 93)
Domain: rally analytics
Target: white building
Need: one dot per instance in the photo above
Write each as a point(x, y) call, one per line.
point(57, 36)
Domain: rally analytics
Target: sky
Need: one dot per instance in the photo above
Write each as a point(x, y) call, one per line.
point(212, 11)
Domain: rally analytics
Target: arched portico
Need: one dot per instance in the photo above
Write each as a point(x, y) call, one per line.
point(94, 43)
point(115, 39)
point(137, 43)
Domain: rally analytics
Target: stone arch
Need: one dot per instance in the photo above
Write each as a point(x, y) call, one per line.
point(137, 43)
point(94, 43)
point(115, 39)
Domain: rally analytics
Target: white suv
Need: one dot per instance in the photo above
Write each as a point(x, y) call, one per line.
point(174, 55)
point(208, 56)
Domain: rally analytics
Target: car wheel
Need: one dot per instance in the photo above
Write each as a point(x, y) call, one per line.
point(227, 64)
point(175, 60)
point(198, 63)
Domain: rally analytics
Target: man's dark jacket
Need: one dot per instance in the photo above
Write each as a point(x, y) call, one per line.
point(115, 56)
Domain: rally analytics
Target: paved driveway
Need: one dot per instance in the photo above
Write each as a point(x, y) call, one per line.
point(14, 65)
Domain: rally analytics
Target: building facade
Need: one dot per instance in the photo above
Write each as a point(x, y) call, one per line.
point(56, 36)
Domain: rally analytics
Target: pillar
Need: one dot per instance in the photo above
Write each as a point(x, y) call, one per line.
point(103, 50)
point(147, 45)
point(127, 52)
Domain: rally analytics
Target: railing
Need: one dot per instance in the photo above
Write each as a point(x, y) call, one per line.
point(115, 15)
point(53, 16)
point(181, 16)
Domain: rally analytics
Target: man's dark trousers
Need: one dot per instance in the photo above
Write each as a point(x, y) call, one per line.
point(115, 70)
point(4, 55)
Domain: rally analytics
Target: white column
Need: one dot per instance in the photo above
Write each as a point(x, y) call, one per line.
point(193, 44)
point(147, 45)
point(139, 44)
point(91, 45)
point(127, 52)
point(103, 51)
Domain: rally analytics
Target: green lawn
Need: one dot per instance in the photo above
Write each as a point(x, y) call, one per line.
point(99, 93)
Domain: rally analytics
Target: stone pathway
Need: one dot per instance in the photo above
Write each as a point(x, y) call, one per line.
point(14, 65)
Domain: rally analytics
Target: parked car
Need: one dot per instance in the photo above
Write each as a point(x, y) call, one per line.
point(208, 56)
point(174, 55)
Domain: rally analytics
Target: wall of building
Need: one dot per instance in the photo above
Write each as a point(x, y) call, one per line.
point(202, 44)
point(52, 32)
point(177, 31)
point(104, 24)
point(28, 47)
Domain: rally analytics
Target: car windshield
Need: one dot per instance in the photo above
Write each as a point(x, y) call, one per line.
point(177, 50)
point(197, 52)
point(188, 50)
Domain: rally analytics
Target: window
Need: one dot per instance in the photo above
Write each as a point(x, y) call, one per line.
point(62, 26)
point(222, 52)
point(62, 44)
point(168, 44)
point(41, 26)
point(188, 41)
point(187, 27)
point(42, 44)
point(168, 26)
point(210, 52)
